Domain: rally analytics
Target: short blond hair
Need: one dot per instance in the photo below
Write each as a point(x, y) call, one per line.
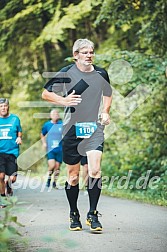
point(80, 43)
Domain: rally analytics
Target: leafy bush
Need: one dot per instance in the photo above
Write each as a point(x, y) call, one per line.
point(8, 223)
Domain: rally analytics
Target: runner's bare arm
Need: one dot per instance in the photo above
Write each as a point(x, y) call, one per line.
point(43, 139)
point(105, 116)
point(70, 100)
point(19, 138)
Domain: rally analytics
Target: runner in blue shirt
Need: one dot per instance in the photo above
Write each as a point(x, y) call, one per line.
point(51, 136)
point(10, 139)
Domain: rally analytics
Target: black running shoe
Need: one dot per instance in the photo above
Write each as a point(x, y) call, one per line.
point(3, 200)
point(93, 222)
point(75, 221)
point(54, 185)
point(9, 191)
point(2, 205)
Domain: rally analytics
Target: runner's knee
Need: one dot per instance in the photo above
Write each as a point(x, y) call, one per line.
point(95, 172)
point(73, 178)
point(2, 176)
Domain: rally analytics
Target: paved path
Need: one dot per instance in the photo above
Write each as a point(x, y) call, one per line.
point(128, 226)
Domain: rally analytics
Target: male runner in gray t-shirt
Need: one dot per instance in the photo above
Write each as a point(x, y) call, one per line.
point(84, 90)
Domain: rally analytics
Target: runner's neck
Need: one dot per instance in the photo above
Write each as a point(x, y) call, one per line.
point(84, 68)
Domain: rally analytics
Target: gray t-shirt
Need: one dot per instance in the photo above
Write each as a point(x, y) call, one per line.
point(92, 86)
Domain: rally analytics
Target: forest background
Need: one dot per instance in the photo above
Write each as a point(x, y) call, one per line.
point(36, 36)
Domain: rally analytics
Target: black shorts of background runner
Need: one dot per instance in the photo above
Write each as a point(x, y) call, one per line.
point(8, 164)
point(75, 148)
point(84, 160)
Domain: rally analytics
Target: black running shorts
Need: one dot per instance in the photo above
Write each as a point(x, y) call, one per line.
point(8, 164)
point(84, 160)
point(75, 148)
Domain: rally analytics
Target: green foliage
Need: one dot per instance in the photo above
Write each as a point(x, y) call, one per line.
point(136, 24)
point(37, 36)
point(139, 144)
point(8, 223)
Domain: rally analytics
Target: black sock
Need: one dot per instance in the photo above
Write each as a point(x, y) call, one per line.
point(94, 190)
point(8, 184)
point(3, 195)
point(50, 175)
point(72, 196)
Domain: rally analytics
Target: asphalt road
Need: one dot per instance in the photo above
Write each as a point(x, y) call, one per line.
point(128, 225)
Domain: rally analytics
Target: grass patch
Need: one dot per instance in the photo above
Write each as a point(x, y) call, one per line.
point(140, 195)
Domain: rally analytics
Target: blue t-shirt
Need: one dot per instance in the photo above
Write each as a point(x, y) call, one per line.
point(9, 128)
point(54, 135)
